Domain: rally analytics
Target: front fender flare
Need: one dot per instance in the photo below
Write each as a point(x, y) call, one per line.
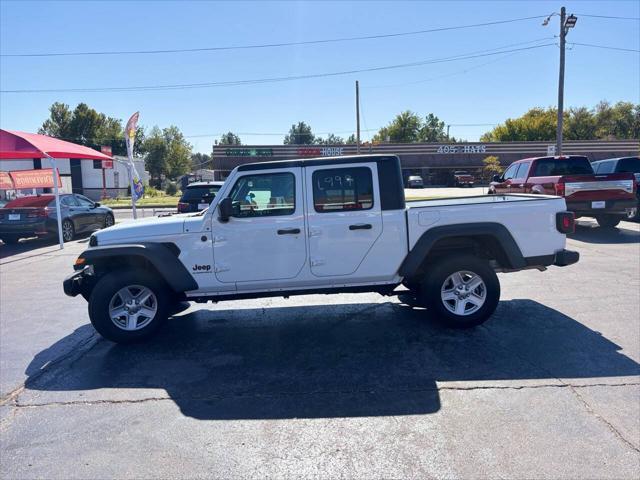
point(164, 259)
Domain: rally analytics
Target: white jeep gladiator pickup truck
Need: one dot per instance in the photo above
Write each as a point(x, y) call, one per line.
point(314, 226)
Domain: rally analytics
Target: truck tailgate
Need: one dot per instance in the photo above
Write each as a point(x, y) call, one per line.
point(618, 186)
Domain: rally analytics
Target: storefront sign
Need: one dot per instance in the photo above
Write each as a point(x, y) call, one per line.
point(462, 149)
point(5, 181)
point(249, 152)
point(320, 151)
point(33, 179)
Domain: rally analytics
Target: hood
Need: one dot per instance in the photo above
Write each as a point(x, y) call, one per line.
point(141, 229)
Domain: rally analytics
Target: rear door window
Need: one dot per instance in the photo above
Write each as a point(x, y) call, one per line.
point(342, 189)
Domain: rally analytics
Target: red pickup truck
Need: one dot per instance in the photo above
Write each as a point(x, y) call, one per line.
point(605, 197)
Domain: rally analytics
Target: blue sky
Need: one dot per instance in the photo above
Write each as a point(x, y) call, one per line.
point(460, 92)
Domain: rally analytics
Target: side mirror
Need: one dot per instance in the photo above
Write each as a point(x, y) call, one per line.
point(497, 178)
point(96, 204)
point(225, 209)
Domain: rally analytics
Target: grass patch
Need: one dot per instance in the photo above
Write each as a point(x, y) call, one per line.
point(164, 201)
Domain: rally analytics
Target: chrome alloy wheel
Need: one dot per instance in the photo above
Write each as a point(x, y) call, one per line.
point(133, 307)
point(67, 231)
point(463, 293)
point(108, 221)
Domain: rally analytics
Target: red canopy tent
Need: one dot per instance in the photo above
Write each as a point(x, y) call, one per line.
point(19, 145)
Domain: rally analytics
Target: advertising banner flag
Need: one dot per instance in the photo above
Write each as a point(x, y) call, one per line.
point(5, 181)
point(130, 137)
point(33, 178)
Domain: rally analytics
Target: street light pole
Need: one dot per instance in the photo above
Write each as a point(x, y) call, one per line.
point(563, 32)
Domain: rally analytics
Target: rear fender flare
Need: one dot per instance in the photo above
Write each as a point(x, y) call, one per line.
point(418, 254)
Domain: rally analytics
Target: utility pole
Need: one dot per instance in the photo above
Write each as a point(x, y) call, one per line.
point(357, 117)
point(563, 14)
point(448, 132)
point(565, 25)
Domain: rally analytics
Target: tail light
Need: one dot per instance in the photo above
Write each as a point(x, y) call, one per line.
point(182, 206)
point(39, 213)
point(559, 187)
point(565, 222)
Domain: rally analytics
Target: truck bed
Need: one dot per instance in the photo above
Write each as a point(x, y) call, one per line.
point(530, 218)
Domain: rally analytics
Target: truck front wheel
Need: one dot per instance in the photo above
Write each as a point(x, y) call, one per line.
point(127, 307)
point(462, 291)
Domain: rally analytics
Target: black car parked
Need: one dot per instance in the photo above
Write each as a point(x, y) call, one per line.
point(622, 165)
point(197, 196)
point(36, 216)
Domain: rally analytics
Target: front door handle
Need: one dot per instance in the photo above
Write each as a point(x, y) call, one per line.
point(289, 231)
point(361, 226)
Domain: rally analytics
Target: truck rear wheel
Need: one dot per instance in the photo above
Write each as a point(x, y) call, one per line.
point(127, 307)
point(462, 291)
point(608, 221)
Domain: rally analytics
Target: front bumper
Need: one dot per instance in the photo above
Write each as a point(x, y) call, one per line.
point(611, 207)
point(75, 283)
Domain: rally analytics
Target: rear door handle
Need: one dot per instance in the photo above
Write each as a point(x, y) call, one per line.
point(289, 231)
point(361, 226)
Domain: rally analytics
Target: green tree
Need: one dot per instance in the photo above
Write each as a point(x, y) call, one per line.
point(620, 121)
point(537, 124)
point(200, 160)
point(330, 140)
point(299, 134)
point(155, 159)
point(178, 152)
point(404, 128)
point(579, 124)
point(491, 166)
point(352, 139)
point(86, 126)
point(229, 138)
point(432, 130)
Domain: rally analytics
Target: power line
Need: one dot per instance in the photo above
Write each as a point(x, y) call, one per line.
point(274, 79)
point(272, 45)
point(608, 16)
point(605, 47)
point(460, 72)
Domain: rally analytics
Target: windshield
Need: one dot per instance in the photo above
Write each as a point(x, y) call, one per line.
point(197, 193)
point(548, 167)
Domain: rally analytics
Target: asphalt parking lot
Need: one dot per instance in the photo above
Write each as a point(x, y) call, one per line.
point(329, 386)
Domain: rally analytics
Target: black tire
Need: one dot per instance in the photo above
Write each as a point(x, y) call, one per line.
point(608, 221)
point(10, 240)
point(68, 230)
point(105, 290)
point(435, 278)
point(108, 221)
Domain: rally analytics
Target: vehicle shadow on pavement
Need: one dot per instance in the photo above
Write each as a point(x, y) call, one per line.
point(590, 233)
point(35, 246)
point(349, 360)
